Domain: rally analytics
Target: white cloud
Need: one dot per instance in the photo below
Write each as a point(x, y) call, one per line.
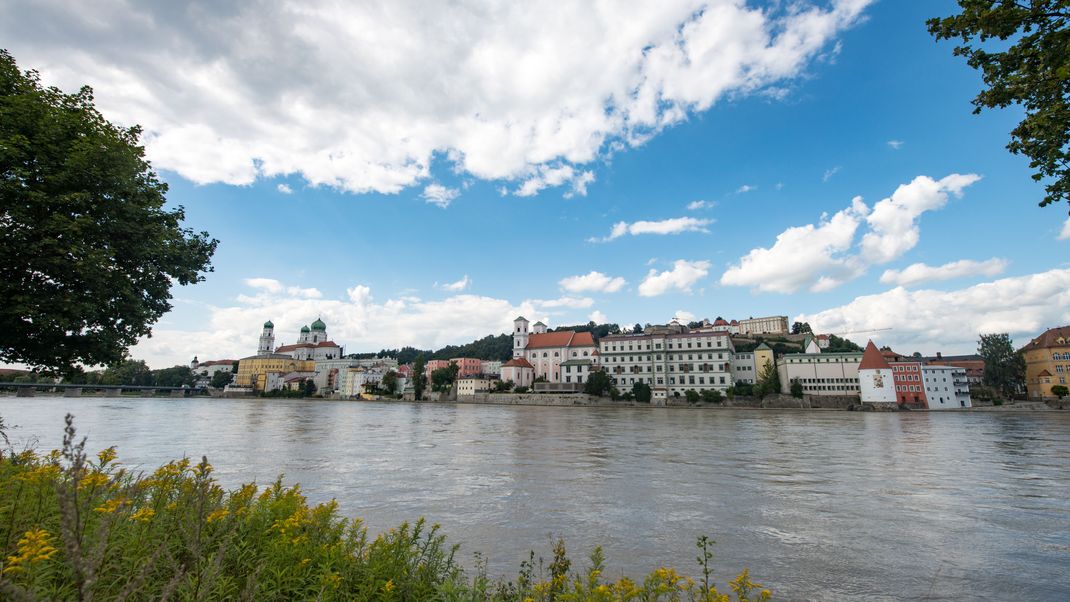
point(598, 317)
point(1065, 234)
point(357, 321)
point(830, 172)
point(363, 96)
point(593, 281)
point(896, 144)
point(684, 316)
point(683, 274)
point(270, 286)
point(949, 321)
point(919, 272)
point(674, 225)
point(458, 286)
point(745, 188)
point(437, 194)
point(284, 189)
point(696, 205)
point(820, 257)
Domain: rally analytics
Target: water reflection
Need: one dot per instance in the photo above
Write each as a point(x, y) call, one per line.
point(820, 505)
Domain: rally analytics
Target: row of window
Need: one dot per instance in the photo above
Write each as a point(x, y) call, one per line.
point(535, 354)
point(830, 388)
point(690, 380)
point(672, 368)
point(657, 357)
point(608, 347)
point(826, 380)
point(818, 360)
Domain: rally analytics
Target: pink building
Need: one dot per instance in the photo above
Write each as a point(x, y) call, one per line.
point(468, 366)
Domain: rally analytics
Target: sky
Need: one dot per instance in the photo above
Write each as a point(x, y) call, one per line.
point(421, 174)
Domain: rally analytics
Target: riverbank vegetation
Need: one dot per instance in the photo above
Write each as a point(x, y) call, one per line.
point(76, 526)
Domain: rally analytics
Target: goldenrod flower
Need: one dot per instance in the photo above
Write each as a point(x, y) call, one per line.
point(93, 480)
point(144, 515)
point(218, 514)
point(388, 586)
point(33, 547)
point(107, 455)
point(110, 506)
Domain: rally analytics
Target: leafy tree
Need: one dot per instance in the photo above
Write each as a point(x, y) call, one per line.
point(308, 388)
point(796, 389)
point(503, 386)
point(419, 380)
point(129, 372)
point(711, 396)
point(176, 376)
point(221, 379)
point(443, 378)
point(1033, 71)
point(1004, 368)
point(768, 380)
point(88, 254)
point(637, 329)
point(520, 390)
point(801, 328)
point(642, 392)
point(598, 383)
point(691, 395)
point(841, 345)
point(390, 382)
point(1060, 391)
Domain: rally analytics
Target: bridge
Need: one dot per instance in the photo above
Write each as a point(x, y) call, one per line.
point(76, 390)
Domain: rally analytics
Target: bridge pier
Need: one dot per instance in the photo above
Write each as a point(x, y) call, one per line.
point(72, 392)
point(25, 392)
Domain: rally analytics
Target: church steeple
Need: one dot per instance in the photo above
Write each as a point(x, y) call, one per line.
point(267, 339)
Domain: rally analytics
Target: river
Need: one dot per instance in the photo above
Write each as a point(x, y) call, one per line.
point(819, 505)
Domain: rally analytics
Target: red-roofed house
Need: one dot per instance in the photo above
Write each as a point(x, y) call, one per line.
point(519, 371)
point(876, 383)
point(546, 351)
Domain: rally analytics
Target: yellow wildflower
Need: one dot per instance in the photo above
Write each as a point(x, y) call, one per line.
point(144, 515)
point(333, 580)
point(107, 455)
point(218, 514)
point(388, 586)
point(110, 506)
point(93, 480)
point(33, 547)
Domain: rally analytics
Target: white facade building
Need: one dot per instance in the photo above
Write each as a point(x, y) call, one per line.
point(875, 379)
point(518, 371)
point(946, 387)
point(670, 359)
point(767, 325)
point(472, 385)
point(546, 351)
point(491, 367)
point(312, 344)
point(820, 373)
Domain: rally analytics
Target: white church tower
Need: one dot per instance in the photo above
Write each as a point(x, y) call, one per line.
point(520, 336)
point(267, 339)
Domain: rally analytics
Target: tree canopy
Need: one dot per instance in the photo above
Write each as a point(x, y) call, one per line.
point(1032, 71)
point(88, 253)
point(1004, 367)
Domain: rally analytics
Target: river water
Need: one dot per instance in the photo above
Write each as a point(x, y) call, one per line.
point(819, 505)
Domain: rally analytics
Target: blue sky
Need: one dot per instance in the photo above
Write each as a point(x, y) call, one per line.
point(870, 103)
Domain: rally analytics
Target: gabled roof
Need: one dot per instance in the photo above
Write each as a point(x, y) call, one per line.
point(1044, 373)
point(518, 362)
point(561, 338)
point(1050, 338)
point(872, 359)
point(286, 348)
point(763, 347)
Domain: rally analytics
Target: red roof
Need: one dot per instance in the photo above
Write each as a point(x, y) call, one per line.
point(1044, 373)
point(1049, 338)
point(822, 336)
point(720, 322)
point(286, 348)
point(563, 338)
point(735, 323)
point(518, 362)
point(215, 363)
point(872, 359)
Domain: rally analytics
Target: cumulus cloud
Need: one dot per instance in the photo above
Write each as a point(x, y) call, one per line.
point(896, 144)
point(949, 321)
point(598, 317)
point(684, 316)
point(1065, 234)
point(682, 275)
point(676, 225)
point(274, 287)
point(365, 96)
point(357, 320)
point(284, 189)
point(595, 282)
point(919, 272)
point(437, 194)
point(458, 286)
point(823, 256)
point(696, 205)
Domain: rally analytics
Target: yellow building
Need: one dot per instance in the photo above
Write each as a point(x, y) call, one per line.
point(253, 371)
point(763, 354)
point(1047, 362)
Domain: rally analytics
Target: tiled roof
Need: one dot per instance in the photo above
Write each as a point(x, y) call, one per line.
point(561, 338)
point(518, 363)
point(1049, 338)
point(215, 363)
point(1044, 373)
point(286, 348)
point(872, 359)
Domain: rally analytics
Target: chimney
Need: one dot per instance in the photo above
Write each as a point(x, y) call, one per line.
point(938, 356)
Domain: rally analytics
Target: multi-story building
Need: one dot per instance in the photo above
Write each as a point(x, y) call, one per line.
point(546, 351)
point(974, 365)
point(468, 366)
point(474, 384)
point(1047, 362)
point(518, 371)
point(268, 372)
point(670, 359)
point(204, 371)
point(747, 365)
point(876, 383)
point(491, 368)
point(820, 373)
point(767, 325)
point(946, 387)
point(312, 343)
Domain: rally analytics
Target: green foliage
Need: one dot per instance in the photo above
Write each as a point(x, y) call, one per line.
point(308, 388)
point(598, 383)
point(711, 396)
point(743, 389)
point(88, 254)
point(1030, 68)
point(491, 347)
point(1004, 367)
point(419, 379)
point(521, 390)
point(642, 393)
point(796, 389)
point(503, 386)
point(442, 379)
point(1060, 391)
point(176, 376)
point(768, 380)
point(390, 382)
point(596, 330)
point(801, 328)
point(221, 379)
point(637, 329)
point(692, 395)
point(841, 345)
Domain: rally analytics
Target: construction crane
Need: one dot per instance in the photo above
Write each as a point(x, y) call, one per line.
point(840, 334)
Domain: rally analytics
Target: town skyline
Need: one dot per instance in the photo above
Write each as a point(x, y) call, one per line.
point(841, 181)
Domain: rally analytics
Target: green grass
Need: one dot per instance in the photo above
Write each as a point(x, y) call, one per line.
point(74, 527)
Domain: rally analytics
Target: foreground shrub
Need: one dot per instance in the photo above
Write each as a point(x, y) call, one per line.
point(80, 528)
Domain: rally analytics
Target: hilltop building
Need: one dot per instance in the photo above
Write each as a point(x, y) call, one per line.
point(546, 351)
point(204, 371)
point(312, 343)
point(670, 359)
point(1047, 362)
